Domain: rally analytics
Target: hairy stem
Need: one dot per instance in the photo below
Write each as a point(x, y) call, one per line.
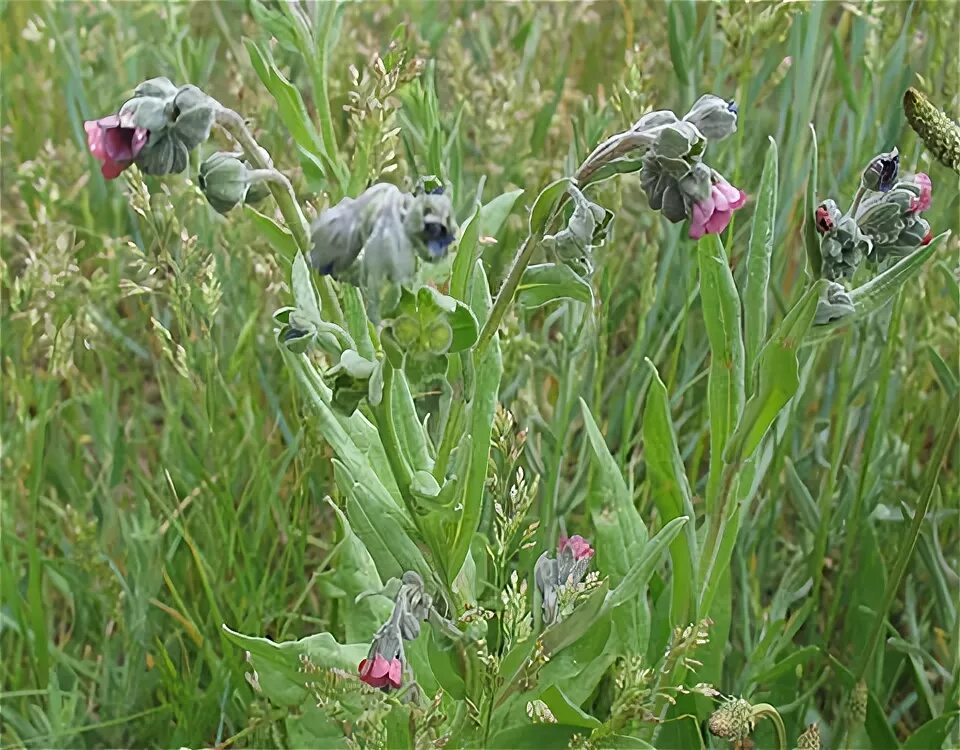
point(286, 200)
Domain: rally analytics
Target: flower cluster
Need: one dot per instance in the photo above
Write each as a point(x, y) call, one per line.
point(883, 224)
point(674, 177)
point(156, 129)
point(566, 571)
point(374, 240)
point(385, 663)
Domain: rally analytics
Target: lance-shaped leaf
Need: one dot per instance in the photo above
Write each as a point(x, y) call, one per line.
point(779, 376)
point(548, 282)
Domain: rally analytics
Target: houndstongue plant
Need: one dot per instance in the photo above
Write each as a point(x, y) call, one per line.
point(404, 378)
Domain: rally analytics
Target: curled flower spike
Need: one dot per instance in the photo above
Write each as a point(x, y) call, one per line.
point(712, 214)
point(380, 672)
point(115, 142)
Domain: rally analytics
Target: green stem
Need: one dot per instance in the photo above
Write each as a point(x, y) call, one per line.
point(286, 200)
point(857, 199)
point(452, 432)
point(391, 442)
point(766, 711)
point(947, 433)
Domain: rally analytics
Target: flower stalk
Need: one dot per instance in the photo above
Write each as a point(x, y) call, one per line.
point(286, 199)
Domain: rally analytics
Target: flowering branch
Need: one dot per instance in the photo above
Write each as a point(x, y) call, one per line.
point(285, 197)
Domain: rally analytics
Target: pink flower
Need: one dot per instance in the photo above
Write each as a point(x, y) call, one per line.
point(922, 203)
point(712, 215)
point(380, 672)
point(579, 547)
point(927, 239)
point(115, 143)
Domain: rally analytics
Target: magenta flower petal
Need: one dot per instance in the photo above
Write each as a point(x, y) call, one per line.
point(720, 202)
point(702, 210)
point(697, 231)
point(395, 673)
point(926, 193)
point(719, 221)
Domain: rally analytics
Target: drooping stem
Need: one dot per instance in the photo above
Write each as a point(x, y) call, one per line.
point(766, 711)
point(286, 199)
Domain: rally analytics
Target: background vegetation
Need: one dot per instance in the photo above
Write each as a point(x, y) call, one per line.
point(160, 474)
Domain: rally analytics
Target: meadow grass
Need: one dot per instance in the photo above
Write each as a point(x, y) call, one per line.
point(161, 472)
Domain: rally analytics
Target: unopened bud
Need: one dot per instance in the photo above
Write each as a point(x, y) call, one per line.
point(881, 173)
point(223, 178)
point(856, 704)
point(713, 116)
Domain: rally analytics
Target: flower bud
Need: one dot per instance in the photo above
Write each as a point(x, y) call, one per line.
point(430, 223)
point(713, 117)
point(224, 181)
point(892, 220)
point(881, 173)
point(678, 141)
point(835, 304)
point(176, 119)
point(843, 249)
point(733, 720)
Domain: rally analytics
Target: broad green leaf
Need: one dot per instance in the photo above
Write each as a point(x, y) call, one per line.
point(382, 528)
point(534, 735)
point(635, 582)
point(721, 317)
point(545, 204)
point(566, 711)
point(488, 366)
point(447, 668)
point(758, 264)
point(355, 317)
point(279, 237)
point(933, 734)
point(278, 664)
point(621, 534)
point(811, 239)
point(304, 293)
point(350, 572)
point(467, 254)
point(494, 214)
point(548, 282)
point(671, 494)
point(584, 617)
point(778, 376)
point(409, 429)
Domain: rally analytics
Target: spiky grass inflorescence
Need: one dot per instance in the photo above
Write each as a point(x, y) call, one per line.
point(810, 739)
point(939, 133)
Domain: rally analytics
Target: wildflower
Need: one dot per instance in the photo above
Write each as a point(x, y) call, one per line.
point(824, 219)
point(155, 129)
point(115, 142)
point(381, 673)
point(939, 133)
point(712, 214)
point(843, 246)
point(713, 117)
point(734, 720)
point(881, 173)
point(566, 572)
